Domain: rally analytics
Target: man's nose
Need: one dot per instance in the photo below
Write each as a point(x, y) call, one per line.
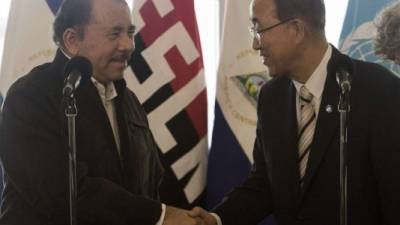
point(126, 43)
point(256, 44)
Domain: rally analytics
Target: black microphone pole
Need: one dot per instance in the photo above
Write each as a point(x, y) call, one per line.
point(77, 69)
point(343, 79)
point(71, 112)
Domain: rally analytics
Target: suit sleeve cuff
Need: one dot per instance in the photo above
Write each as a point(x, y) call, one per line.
point(217, 218)
point(161, 220)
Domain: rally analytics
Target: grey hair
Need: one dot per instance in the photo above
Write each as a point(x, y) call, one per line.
point(387, 41)
point(73, 14)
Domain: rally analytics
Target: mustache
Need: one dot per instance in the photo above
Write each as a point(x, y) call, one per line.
point(124, 56)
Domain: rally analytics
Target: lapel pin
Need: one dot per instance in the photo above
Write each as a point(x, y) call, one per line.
point(329, 109)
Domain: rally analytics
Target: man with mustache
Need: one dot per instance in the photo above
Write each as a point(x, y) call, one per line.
point(118, 169)
point(295, 176)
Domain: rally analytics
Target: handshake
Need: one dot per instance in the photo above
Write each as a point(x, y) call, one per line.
point(197, 216)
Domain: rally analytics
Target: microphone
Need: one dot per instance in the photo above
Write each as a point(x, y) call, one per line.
point(344, 74)
point(77, 68)
point(343, 78)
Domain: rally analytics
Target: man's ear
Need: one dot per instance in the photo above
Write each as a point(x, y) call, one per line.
point(72, 41)
point(299, 30)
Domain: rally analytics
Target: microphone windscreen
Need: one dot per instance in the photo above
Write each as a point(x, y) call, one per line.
point(344, 64)
point(79, 64)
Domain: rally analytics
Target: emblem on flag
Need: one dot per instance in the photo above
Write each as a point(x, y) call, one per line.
point(250, 85)
point(360, 45)
point(359, 31)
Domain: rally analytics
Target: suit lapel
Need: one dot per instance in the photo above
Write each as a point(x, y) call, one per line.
point(327, 122)
point(283, 146)
point(92, 113)
point(292, 150)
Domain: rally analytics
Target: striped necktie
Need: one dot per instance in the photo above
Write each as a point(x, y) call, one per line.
point(306, 129)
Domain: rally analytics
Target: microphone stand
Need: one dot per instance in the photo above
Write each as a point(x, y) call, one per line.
point(344, 109)
point(71, 113)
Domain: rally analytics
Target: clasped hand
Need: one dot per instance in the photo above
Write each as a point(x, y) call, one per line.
point(197, 216)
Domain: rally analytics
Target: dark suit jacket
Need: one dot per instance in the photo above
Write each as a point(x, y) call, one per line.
point(373, 151)
point(112, 189)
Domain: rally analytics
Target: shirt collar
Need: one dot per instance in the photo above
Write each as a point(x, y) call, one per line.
point(66, 55)
point(108, 92)
point(315, 84)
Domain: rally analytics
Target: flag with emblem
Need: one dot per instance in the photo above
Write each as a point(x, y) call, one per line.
point(168, 77)
point(359, 31)
point(240, 77)
point(27, 44)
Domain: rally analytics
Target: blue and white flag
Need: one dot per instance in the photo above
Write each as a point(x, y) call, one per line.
point(359, 31)
point(240, 77)
point(27, 44)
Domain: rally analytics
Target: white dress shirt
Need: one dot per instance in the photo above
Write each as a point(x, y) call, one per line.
point(315, 84)
point(108, 94)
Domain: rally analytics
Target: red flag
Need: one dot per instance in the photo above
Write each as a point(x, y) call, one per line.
point(168, 78)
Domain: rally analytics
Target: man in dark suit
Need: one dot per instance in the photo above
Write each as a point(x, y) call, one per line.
point(118, 168)
point(295, 176)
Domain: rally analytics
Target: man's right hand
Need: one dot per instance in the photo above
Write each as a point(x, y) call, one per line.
point(202, 214)
point(175, 216)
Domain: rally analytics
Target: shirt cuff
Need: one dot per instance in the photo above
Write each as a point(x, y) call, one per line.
point(161, 220)
point(217, 218)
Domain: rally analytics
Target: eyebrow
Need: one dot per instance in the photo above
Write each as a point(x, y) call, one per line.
point(131, 28)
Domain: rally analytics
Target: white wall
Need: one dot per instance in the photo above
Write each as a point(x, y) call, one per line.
point(335, 13)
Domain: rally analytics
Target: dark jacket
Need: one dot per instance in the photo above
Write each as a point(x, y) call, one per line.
point(112, 188)
point(373, 155)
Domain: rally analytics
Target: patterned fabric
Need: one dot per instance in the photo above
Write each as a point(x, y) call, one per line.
point(306, 128)
point(167, 74)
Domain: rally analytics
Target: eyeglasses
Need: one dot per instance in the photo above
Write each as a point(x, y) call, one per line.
point(257, 33)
